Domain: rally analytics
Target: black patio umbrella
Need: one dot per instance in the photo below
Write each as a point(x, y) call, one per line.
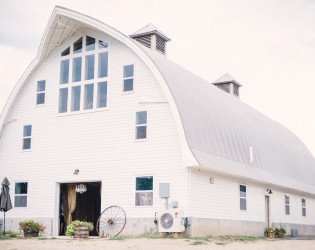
point(5, 203)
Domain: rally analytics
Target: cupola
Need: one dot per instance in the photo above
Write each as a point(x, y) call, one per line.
point(228, 84)
point(151, 37)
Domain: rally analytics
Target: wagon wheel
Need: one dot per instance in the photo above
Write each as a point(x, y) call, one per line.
point(111, 222)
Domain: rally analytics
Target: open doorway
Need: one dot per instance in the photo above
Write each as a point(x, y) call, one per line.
point(85, 206)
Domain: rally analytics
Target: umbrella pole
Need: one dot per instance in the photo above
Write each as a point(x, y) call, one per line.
point(4, 225)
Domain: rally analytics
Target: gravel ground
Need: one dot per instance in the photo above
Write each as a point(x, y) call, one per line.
point(144, 244)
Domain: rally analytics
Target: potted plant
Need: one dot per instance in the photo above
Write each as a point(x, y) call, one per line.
point(281, 231)
point(270, 232)
point(31, 228)
point(79, 229)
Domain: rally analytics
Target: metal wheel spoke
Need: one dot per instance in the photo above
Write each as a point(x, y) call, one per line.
point(111, 221)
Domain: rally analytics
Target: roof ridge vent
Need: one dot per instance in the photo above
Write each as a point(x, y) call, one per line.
point(228, 84)
point(151, 37)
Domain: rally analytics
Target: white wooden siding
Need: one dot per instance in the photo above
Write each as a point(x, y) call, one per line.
point(221, 200)
point(101, 143)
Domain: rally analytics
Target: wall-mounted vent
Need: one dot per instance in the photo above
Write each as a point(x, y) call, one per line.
point(228, 84)
point(151, 37)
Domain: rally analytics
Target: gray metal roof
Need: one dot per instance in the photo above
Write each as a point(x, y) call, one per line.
point(220, 129)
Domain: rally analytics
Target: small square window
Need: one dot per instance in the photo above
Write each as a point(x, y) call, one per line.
point(20, 194)
point(303, 207)
point(141, 117)
point(243, 199)
point(41, 86)
point(287, 204)
point(27, 143)
point(40, 96)
point(128, 78)
point(128, 71)
point(128, 85)
point(141, 125)
point(141, 132)
point(144, 191)
point(27, 130)
point(27, 133)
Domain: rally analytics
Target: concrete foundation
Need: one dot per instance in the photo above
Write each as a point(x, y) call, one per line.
point(204, 227)
point(12, 224)
point(138, 226)
point(198, 227)
point(302, 230)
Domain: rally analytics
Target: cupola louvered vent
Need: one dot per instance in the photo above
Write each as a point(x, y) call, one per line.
point(228, 84)
point(160, 44)
point(145, 40)
point(152, 38)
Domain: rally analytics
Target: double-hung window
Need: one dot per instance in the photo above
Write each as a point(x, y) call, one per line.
point(243, 197)
point(144, 191)
point(20, 194)
point(141, 125)
point(128, 78)
point(303, 207)
point(287, 204)
point(27, 133)
point(40, 96)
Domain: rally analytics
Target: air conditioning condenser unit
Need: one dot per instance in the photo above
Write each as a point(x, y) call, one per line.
point(171, 221)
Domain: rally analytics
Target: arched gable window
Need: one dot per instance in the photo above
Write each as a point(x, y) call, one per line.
point(83, 75)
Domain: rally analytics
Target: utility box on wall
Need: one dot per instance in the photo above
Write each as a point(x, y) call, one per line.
point(164, 190)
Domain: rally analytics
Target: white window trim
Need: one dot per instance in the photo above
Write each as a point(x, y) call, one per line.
point(141, 125)
point(40, 92)
point(21, 194)
point(303, 206)
point(143, 191)
point(244, 198)
point(83, 82)
point(285, 205)
point(126, 78)
point(27, 137)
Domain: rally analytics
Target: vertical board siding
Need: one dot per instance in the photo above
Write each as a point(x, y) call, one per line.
point(101, 144)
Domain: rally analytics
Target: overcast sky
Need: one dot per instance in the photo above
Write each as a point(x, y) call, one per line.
point(268, 46)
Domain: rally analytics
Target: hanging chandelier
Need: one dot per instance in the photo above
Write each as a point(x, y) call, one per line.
point(80, 188)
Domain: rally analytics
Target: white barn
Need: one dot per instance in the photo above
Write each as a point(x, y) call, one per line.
point(100, 108)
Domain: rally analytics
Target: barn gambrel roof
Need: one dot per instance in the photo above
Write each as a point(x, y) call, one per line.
point(216, 130)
